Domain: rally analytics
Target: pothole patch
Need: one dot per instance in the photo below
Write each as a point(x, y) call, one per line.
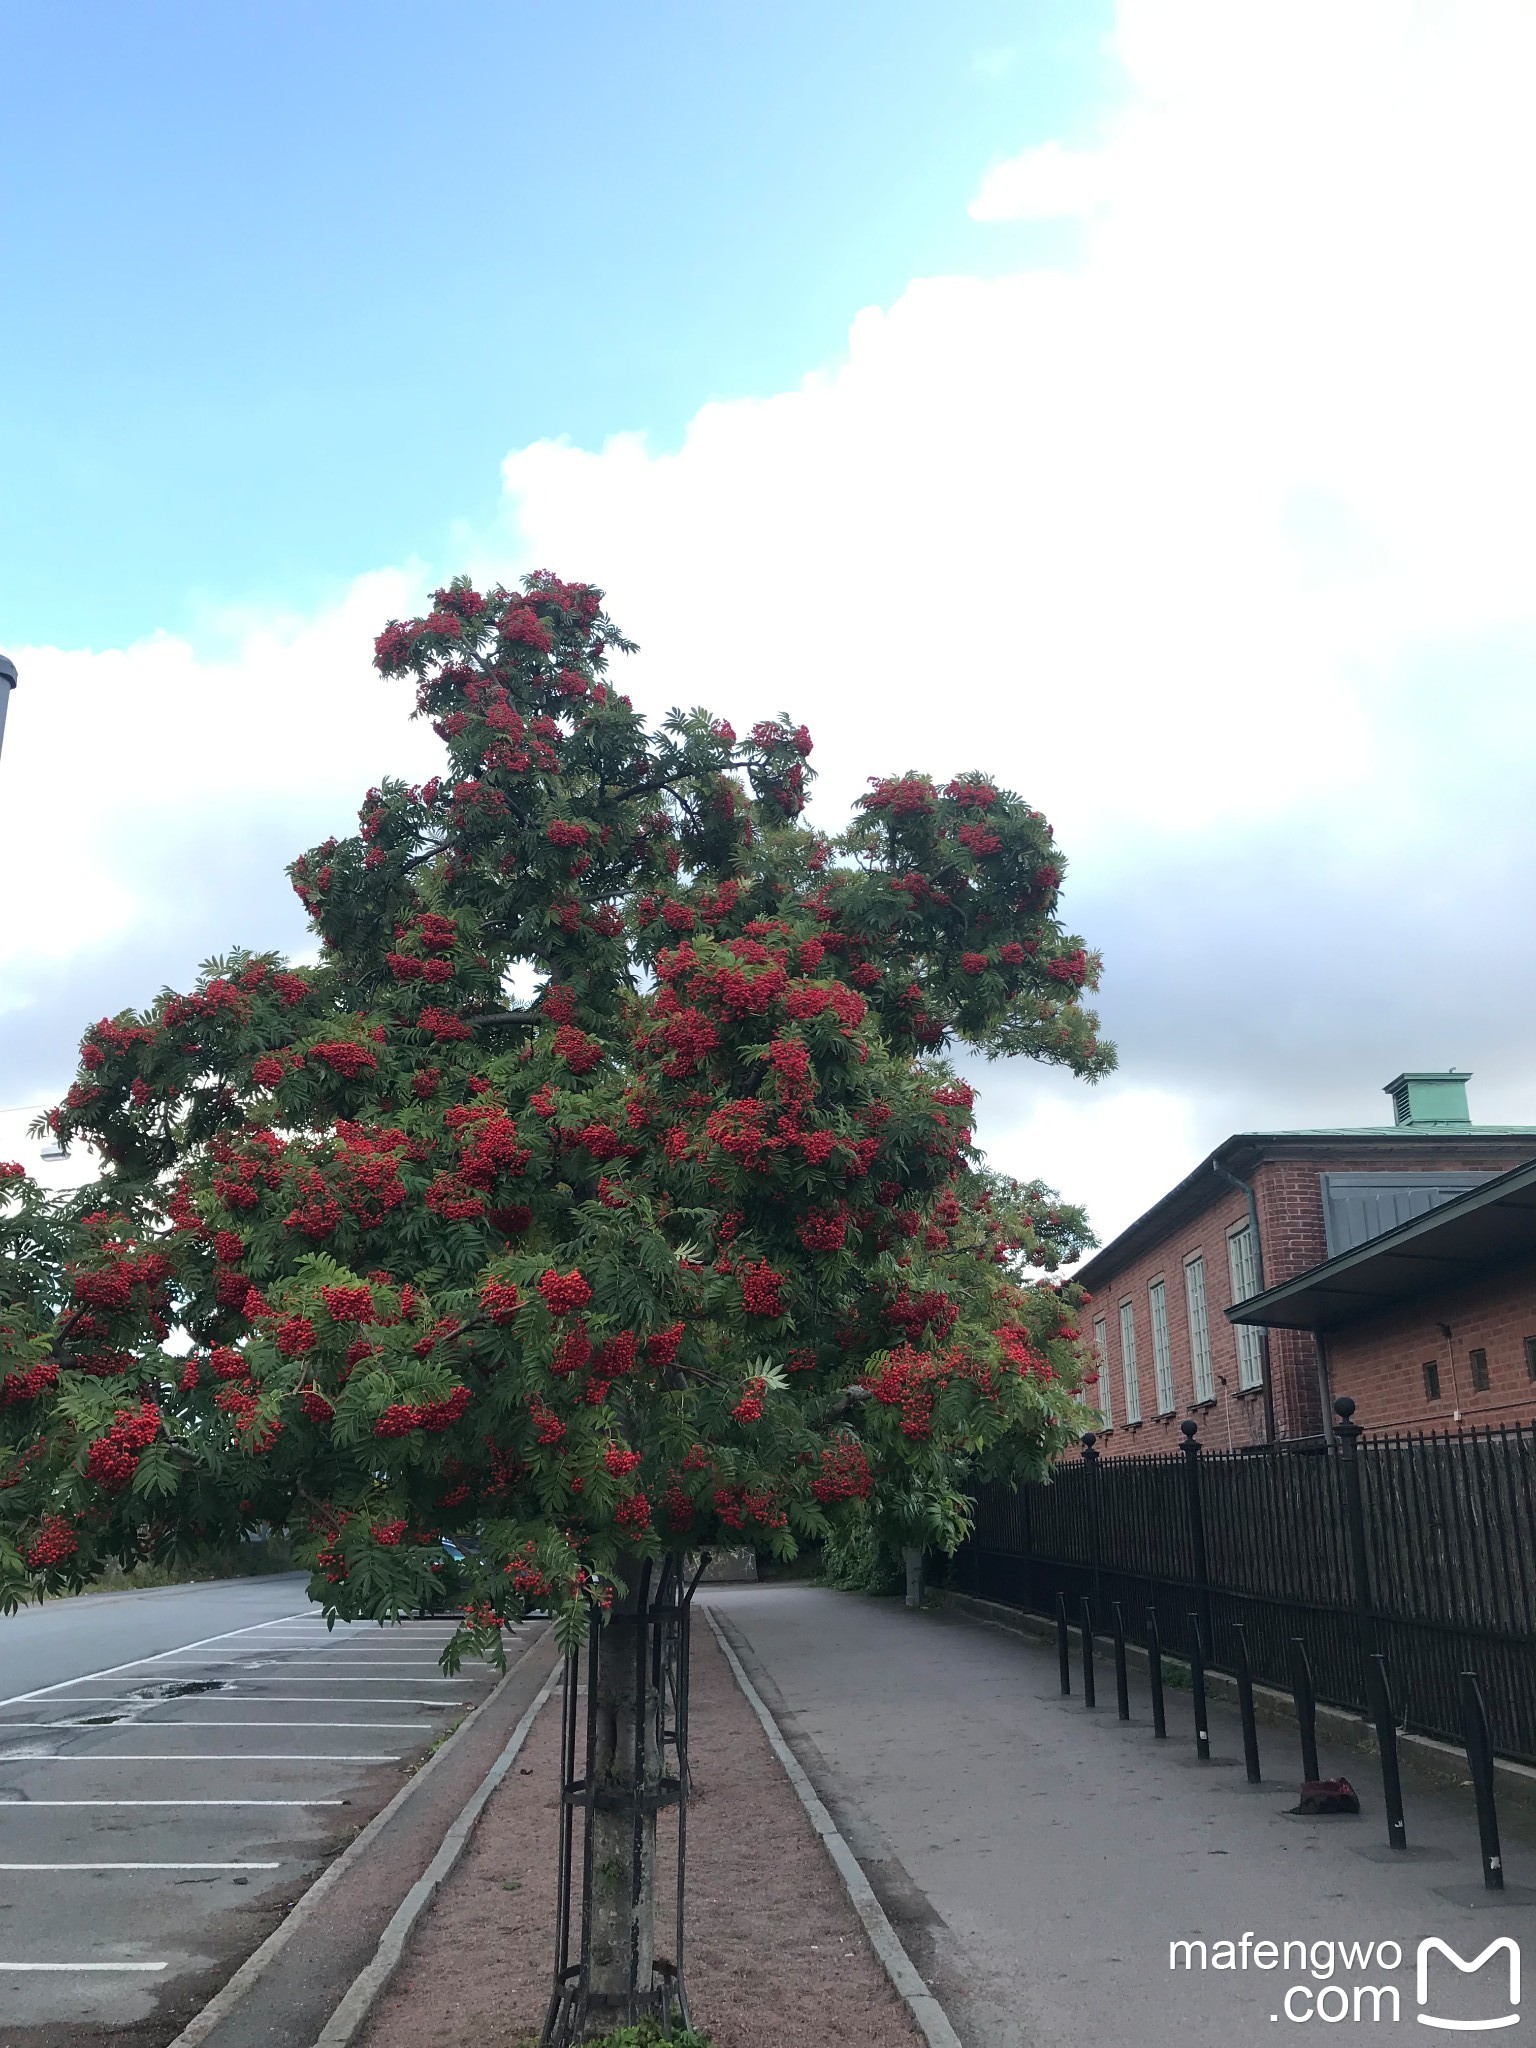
point(186, 1690)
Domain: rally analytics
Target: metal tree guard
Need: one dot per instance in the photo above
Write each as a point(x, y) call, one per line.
point(655, 1634)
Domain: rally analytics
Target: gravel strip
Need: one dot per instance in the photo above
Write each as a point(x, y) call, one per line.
point(776, 1954)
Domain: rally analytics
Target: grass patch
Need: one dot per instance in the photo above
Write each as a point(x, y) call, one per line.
point(647, 2034)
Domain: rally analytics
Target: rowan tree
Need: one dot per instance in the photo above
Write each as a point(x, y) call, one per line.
point(689, 1245)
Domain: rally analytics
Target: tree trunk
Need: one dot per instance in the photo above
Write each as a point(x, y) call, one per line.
point(624, 1837)
point(912, 1557)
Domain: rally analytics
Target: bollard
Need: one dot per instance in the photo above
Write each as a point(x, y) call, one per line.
point(1155, 1676)
point(1122, 1678)
point(1063, 1651)
point(1090, 1698)
point(1197, 1680)
point(1474, 1725)
point(1386, 1744)
point(1306, 1709)
point(1245, 1705)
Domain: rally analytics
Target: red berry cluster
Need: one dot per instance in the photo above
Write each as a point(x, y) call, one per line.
point(113, 1458)
point(761, 1289)
point(55, 1541)
point(295, 1336)
point(564, 1293)
point(750, 1407)
point(501, 1300)
point(349, 1304)
point(845, 1473)
point(633, 1515)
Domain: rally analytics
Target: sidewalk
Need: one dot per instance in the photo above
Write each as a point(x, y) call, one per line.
point(1038, 1860)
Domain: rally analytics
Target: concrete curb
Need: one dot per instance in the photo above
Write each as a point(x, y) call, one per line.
point(343, 2024)
point(1440, 1762)
point(899, 1966)
point(260, 1960)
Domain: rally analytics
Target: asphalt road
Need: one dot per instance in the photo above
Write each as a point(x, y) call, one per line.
point(175, 1767)
point(1039, 1858)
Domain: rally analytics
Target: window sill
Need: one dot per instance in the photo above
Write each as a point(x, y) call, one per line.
point(1196, 1407)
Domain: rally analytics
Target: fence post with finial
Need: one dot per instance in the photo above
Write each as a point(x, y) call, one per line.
point(1091, 1455)
point(1347, 1433)
point(1195, 1514)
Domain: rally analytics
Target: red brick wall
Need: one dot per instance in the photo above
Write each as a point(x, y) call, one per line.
point(1289, 1199)
point(1379, 1360)
point(1234, 1417)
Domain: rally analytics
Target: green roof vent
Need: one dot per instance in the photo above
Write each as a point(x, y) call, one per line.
point(1419, 1099)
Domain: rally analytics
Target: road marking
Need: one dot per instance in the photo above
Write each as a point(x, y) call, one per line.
point(135, 1664)
point(140, 1866)
point(26, 1805)
point(185, 1756)
point(139, 1727)
point(247, 1663)
point(10, 1969)
point(255, 1699)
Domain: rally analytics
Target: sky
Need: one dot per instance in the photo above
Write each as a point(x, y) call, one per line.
point(1131, 400)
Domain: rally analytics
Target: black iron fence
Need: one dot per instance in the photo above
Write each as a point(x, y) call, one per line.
point(1417, 1548)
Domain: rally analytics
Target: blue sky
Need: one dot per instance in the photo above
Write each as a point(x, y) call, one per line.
point(1128, 398)
point(286, 280)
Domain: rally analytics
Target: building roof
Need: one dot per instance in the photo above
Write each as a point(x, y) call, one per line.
point(1489, 1226)
point(1394, 1144)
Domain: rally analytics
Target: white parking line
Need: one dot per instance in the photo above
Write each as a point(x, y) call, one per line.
point(140, 1866)
point(275, 1699)
point(10, 1969)
point(111, 1670)
point(182, 1756)
point(138, 1727)
point(247, 1663)
point(26, 1805)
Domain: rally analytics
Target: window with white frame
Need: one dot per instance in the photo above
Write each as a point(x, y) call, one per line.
point(1162, 1350)
point(1128, 1362)
point(1199, 1328)
point(1242, 1256)
point(1101, 1353)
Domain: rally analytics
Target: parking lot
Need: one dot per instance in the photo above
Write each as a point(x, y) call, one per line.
point(157, 1814)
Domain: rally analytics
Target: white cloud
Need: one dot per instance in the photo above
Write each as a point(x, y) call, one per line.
point(1045, 183)
point(158, 794)
point(1215, 544)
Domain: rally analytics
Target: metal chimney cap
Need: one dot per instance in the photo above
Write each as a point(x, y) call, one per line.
point(7, 671)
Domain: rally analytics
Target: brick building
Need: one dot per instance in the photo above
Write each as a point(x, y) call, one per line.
point(1265, 1209)
point(1432, 1324)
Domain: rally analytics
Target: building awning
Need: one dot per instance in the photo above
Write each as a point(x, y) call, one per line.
point(1494, 1224)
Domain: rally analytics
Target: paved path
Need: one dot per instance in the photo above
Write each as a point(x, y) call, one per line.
point(175, 1767)
point(1039, 1860)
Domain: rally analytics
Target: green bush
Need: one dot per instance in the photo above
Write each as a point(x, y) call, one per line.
point(213, 1561)
point(649, 2035)
point(854, 1559)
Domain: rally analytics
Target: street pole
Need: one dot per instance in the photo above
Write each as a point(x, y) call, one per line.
point(7, 684)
